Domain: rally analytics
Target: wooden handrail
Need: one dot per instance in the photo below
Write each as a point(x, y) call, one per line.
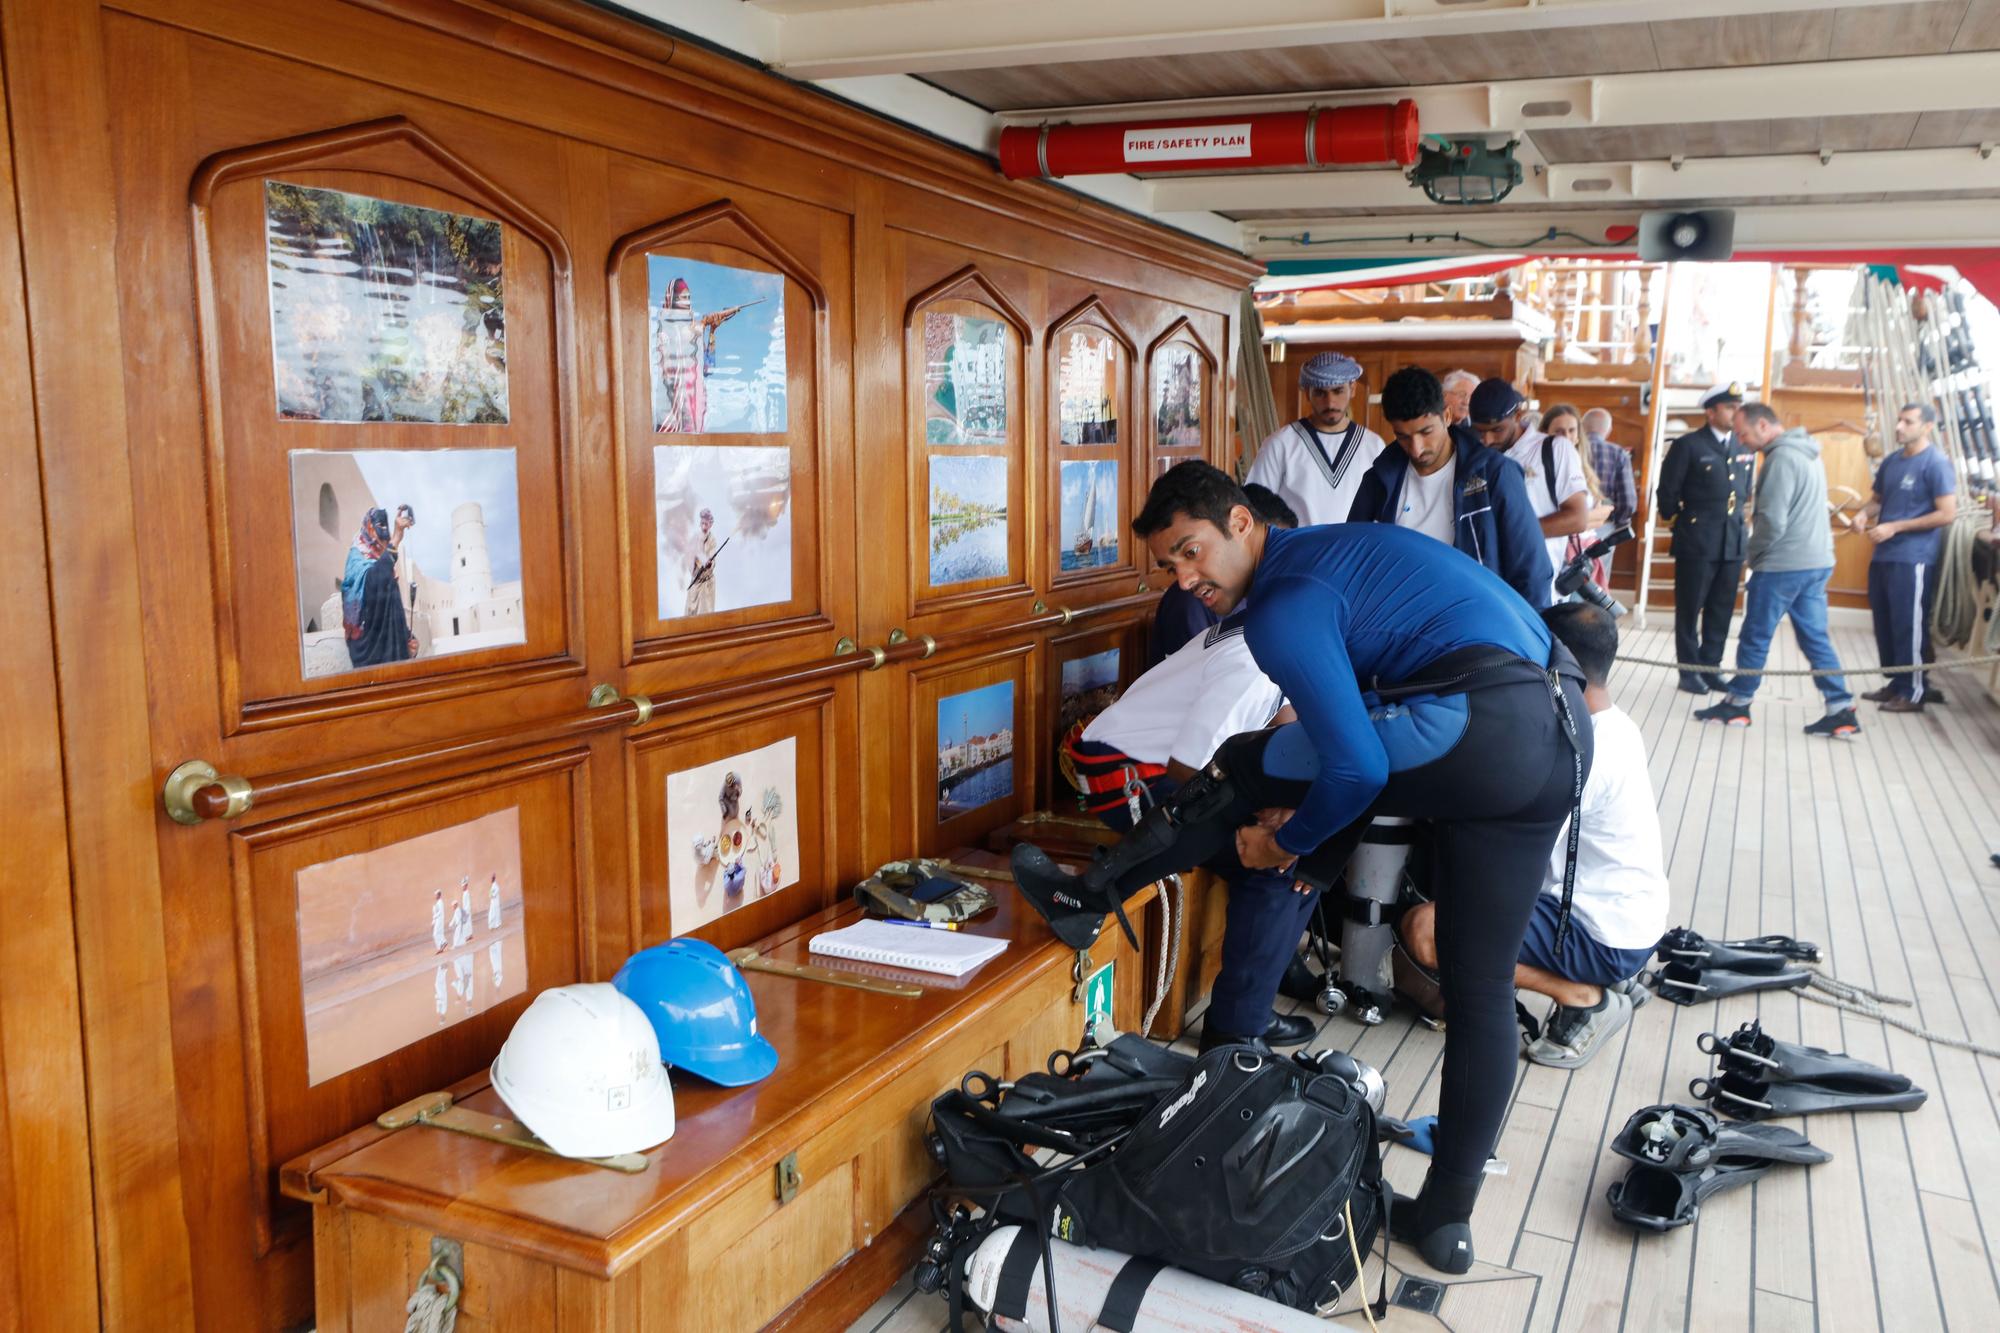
point(195, 792)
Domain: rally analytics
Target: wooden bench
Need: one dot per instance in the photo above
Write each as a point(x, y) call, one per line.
point(701, 1240)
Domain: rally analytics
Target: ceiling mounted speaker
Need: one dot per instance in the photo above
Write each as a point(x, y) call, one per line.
point(1707, 233)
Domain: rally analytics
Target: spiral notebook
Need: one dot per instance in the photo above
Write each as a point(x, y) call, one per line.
point(945, 952)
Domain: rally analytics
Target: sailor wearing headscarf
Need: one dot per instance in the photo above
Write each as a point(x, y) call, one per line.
point(1316, 463)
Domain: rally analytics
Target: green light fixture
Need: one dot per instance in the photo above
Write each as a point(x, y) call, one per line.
point(1465, 171)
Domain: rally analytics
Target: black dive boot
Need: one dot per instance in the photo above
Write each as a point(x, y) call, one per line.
point(1189, 827)
point(1438, 1222)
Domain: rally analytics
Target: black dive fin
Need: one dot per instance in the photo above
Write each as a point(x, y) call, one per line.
point(1682, 1155)
point(1799, 951)
point(1074, 911)
point(1658, 1200)
point(1682, 945)
point(1689, 983)
point(1751, 1053)
point(1748, 1098)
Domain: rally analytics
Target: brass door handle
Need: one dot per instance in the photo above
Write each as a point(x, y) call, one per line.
point(603, 695)
point(179, 793)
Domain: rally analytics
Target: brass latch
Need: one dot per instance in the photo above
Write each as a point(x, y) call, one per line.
point(1080, 973)
point(788, 1177)
point(437, 1110)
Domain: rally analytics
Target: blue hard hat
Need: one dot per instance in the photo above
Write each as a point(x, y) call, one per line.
point(701, 1008)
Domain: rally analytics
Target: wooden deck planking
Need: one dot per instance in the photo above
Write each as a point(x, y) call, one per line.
point(1877, 850)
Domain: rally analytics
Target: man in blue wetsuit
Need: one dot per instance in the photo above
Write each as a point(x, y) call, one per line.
point(1425, 687)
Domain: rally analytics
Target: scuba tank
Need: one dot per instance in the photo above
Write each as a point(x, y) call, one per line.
point(1374, 878)
point(1087, 1282)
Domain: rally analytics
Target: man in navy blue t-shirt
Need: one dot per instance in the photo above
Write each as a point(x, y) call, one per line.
point(1916, 498)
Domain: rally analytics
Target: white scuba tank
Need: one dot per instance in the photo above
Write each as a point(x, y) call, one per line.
point(1374, 881)
point(1175, 1300)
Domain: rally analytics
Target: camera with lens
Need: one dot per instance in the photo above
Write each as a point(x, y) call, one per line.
point(1575, 575)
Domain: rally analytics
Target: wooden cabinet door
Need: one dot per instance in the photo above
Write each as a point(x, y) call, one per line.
point(440, 419)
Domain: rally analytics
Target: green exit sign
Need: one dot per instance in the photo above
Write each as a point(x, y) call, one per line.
point(1097, 994)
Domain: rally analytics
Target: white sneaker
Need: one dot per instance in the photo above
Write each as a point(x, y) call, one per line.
point(1574, 1035)
point(1633, 989)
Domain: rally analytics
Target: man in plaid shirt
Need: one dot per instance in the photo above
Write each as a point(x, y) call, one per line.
point(1613, 466)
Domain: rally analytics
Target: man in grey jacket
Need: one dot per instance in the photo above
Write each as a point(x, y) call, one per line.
point(1791, 557)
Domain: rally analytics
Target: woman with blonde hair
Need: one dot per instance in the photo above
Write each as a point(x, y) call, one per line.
point(1562, 422)
point(1565, 423)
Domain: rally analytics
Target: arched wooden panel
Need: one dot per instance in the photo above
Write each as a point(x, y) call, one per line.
point(970, 457)
point(430, 375)
point(1091, 448)
point(1179, 363)
point(756, 454)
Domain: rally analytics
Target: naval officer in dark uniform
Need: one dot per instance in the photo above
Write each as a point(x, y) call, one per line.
point(1704, 494)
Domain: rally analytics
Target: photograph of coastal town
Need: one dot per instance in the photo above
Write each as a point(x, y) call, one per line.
point(975, 749)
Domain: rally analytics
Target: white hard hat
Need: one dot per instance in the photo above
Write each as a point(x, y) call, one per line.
point(582, 1070)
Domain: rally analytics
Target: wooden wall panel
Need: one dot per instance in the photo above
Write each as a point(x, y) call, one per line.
point(793, 242)
point(293, 1109)
point(177, 603)
point(48, 1263)
point(59, 101)
point(258, 461)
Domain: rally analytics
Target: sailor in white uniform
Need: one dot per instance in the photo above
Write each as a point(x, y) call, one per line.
point(493, 904)
point(1316, 463)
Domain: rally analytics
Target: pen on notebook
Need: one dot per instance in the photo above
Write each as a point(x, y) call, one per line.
point(922, 925)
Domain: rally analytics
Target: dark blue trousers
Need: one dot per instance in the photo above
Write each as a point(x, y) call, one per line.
point(1901, 594)
point(1260, 932)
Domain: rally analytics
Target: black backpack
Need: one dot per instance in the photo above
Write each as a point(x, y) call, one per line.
point(1241, 1167)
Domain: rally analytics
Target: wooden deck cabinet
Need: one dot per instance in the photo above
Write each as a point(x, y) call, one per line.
point(700, 1240)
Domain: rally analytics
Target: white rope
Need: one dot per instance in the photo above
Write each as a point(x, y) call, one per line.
point(1712, 668)
point(433, 1306)
point(1170, 949)
point(1956, 616)
point(1847, 990)
point(1902, 1024)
